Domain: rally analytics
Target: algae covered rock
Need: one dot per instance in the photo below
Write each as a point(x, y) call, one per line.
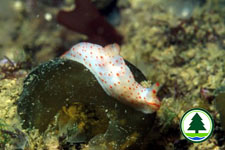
point(59, 84)
point(220, 104)
point(11, 137)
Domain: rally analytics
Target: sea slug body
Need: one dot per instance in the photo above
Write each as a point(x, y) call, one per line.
point(114, 76)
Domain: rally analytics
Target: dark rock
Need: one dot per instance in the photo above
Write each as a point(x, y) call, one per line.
point(59, 83)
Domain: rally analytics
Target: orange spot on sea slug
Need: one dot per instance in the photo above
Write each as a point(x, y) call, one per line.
point(157, 84)
point(153, 91)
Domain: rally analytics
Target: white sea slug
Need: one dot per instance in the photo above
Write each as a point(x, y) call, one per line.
point(114, 75)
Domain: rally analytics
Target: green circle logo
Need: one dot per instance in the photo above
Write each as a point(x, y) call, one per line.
point(196, 125)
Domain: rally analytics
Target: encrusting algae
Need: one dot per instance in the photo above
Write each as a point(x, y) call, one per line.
point(185, 54)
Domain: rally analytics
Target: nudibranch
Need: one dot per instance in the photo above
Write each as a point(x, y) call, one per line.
point(114, 76)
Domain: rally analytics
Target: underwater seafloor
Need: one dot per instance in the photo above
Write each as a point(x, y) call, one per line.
point(180, 44)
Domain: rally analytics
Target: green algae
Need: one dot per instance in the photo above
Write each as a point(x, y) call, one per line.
point(59, 83)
